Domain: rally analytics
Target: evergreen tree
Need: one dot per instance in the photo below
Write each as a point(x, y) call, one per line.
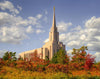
point(54, 59)
point(59, 57)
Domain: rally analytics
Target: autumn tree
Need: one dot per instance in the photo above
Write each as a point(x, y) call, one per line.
point(89, 61)
point(79, 57)
point(79, 54)
point(67, 59)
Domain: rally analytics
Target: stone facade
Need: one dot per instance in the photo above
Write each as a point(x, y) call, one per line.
point(50, 47)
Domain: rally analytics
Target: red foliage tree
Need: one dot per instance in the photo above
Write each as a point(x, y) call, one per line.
point(89, 61)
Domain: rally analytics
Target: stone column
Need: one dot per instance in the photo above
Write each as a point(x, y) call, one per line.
point(44, 53)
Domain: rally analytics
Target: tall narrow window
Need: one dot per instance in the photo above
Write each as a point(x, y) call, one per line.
point(48, 55)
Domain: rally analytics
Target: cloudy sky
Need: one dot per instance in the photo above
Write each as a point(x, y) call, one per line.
point(25, 24)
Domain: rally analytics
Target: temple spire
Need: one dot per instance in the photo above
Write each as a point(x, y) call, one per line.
point(54, 35)
point(54, 20)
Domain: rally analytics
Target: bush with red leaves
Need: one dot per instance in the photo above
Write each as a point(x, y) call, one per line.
point(89, 61)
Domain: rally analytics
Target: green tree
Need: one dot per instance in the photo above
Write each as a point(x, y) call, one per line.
point(59, 57)
point(54, 59)
point(9, 56)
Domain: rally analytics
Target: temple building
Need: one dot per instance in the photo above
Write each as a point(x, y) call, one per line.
point(50, 47)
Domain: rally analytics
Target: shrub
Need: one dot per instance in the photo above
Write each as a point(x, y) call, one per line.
point(89, 61)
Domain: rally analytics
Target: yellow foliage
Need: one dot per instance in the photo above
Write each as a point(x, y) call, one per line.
point(13, 73)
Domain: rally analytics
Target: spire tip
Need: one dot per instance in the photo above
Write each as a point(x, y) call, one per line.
point(54, 8)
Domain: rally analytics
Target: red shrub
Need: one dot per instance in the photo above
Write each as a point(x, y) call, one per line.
point(89, 61)
point(58, 67)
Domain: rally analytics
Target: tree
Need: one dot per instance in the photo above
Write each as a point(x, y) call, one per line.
point(67, 59)
point(59, 57)
point(54, 59)
point(9, 56)
point(89, 61)
point(79, 57)
point(79, 54)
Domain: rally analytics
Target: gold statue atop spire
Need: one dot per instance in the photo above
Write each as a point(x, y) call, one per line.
point(54, 8)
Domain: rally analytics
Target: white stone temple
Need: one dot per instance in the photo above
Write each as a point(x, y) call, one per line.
point(50, 47)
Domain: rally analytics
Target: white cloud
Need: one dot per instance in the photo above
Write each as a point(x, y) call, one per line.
point(93, 34)
point(73, 43)
point(8, 5)
point(97, 55)
point(19, 7)
point(93, 22)
point(89, 45)
point(69, 51)
point(62, 37)
point(78, 28)
point(38, 31)
point(39, 16)
point(32, 20)
point(94, 46)
point(88, 35)
point(8, 20)
point(83, 37)
point(47, 40)
point(2, 52)
point(62, 26)
point(97, 37)
point(13, 29)
point(12, 34)
point(35, 21)
point(29, 29)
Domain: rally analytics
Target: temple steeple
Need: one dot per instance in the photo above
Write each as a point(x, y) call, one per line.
point(54, 35)
point(54, 20)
